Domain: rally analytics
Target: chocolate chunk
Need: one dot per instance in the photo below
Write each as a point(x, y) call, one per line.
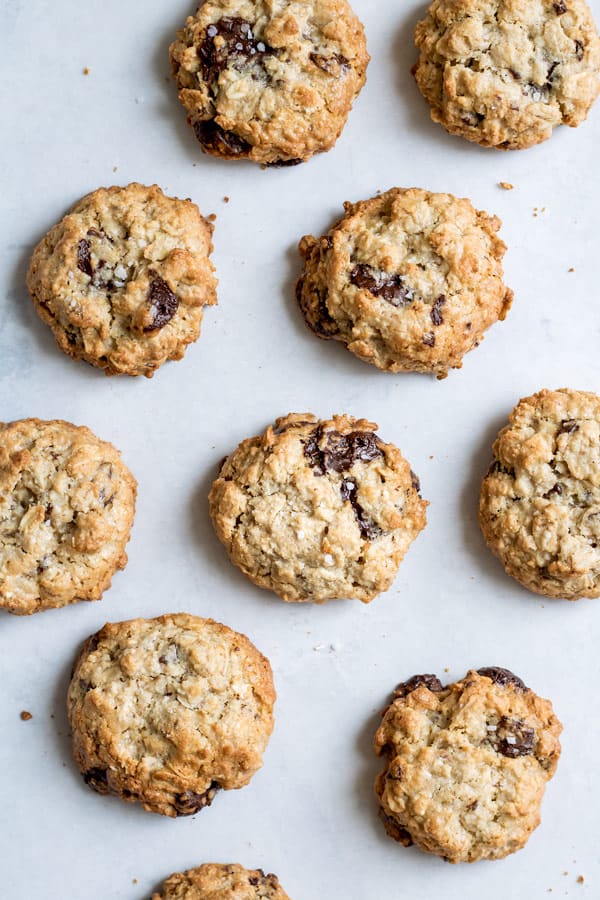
point(335, 64)
point(230, 39)
point(341, 450)
point(368, 528)
point(503, 677)
point(579, 50)
point(513, 738)
point(557, 489)
point(416, 482)
point(429, 339)
point(568, 426)
point(431, 682)
point(283, 163)
point(436, 311)
point(497, 466)
point(84, 259)
point(383, 284)
point(323, 325)
point(163, 302)
point(188, 803)
point(560, 8)
point(516, 75)
point(97, 780)
point(223, 143)
point(313, 452)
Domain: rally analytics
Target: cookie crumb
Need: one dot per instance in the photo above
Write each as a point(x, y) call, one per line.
point(571, 269)
point(446, 668)
point(506, 185)
point(26, 715)
point(115, 168)
point(134, 881)
point(87, 70)
point(212, 218)
point(225, 199)
point(580, 879)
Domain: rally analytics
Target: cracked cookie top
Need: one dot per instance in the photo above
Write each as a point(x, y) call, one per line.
point(67, 502)
point(466, 764)
point(540, 500)
point(504, 73)
point(317, 510)
point(271, 81)
point(168, 711)
point(408, 281)
point(214, 881)
point(123, 278)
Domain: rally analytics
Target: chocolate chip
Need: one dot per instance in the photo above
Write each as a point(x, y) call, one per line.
point(568, 426)
point(416, 482)
point(163, 302)
point(560, 8)
point(503, 677)
point(431, 682)
point(84, 259)
point(557, 489)
point(236, 42)
point(97, 779)
point(497, 466)
point(283, 163)
point(579, 50)
point(429, 339)
point(436, 311)
point(513, 738)
point(368, 528)
point(93, 232)
point(383, 284)
point(223, 143)
point(336, 64)
point(515, 74)
point(188, 803)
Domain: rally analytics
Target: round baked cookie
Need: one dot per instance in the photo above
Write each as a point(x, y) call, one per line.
point(317, 510)
point(271, 81)
point(504, 73)
point(123, 278)
point(539, 507)
point(466, 764)
point(214, 881)
point(67, 503)
point(168, 711)
point(408, 280)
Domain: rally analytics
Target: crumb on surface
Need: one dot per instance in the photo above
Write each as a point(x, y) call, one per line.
point(506, 185)
point(115, 168)
point(87, 70)
point(26, 715)
point(571, 269)
point(446, 668)
point(580, 879)
point(212, 218)
point(225, 199)
point(134, 881)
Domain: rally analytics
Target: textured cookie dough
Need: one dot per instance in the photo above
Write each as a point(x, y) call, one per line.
point(317, 510)
point(214, 881)
point(123, 278)
point(271, 81)
point(539, 508)
point(67, 502)
point(168, 711)
point(466, 765)
point(408, 281)
point(504, 73)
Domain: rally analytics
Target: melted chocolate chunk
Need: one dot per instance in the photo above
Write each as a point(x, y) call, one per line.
point(216, 139)
point(163, 302)
point(416, 482)
point(341, 450)
point(560, 8)
point(568, 426)
point(557, 489)
point(431, 682)
point(385, 285)
point(84, 259)
point(336, 64)
point(513, 738)
point(368, 528)
point(323, 325)
point(503, 677)
point(97, 780)
point(429, 339)
point(283, 163)
point(230, 39)
point(188, 803)
point(436, 311)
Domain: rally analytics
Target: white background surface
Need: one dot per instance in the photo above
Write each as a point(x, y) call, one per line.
point(310, 814)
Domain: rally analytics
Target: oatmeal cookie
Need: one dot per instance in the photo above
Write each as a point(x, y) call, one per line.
point(214, 881)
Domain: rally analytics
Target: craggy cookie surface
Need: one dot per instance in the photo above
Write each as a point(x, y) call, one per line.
point(409, 280)
point(168, 711)
point(466, 764)
point(214, 881)
point(540, 500)
point(504, 73)
point(317, 510)
point(123, 278)
point(269, 80)
point(67, 502)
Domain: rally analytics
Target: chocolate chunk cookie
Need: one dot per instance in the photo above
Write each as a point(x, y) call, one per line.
point(213, 881)
point(123, 278)
point(466, 765)
point(168, 711)
point(409, 280)
point(269, 82)
point(504, 73)
point(67, 502)
point(539, 508)
point(317, 510)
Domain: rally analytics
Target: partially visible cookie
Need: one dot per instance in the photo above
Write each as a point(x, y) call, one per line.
point(214, 881)
point(466, 764)
point(67, 503)
point(168, 711)
point(269, 82)
point(123, 278)
point(409, 281)
point(539, 507)
point(504, 73)
point(317, 510)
